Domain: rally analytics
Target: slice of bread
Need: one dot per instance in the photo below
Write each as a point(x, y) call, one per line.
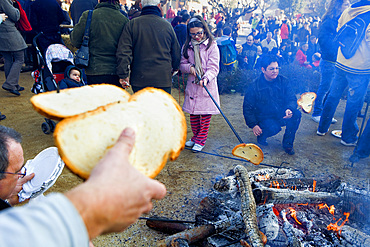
point(306, 101)
point(250, 152)
point(157, 119)
point(74, 101)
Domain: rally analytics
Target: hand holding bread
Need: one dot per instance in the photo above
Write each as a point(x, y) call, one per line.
point(83, 138)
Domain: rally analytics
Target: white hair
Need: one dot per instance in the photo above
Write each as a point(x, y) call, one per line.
point(145, 3)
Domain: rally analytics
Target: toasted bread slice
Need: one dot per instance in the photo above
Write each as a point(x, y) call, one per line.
point(306, 101)
point(157, 119)
point(73, 101)
point(250, 152)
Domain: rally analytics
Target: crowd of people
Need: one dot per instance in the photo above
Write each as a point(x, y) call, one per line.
point(136, 47)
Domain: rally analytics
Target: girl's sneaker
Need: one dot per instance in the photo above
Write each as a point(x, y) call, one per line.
point(197, 148)
point(189, 143)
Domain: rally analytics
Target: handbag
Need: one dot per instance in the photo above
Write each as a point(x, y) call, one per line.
point(22, 24)
point(81, 57)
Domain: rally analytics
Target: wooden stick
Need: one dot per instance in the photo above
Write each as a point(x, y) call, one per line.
point(248, 206)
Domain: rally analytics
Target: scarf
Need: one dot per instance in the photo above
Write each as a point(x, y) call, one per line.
point(197, 58)
point(151, 10)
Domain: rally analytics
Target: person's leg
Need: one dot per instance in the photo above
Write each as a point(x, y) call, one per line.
point(338, 85)
point(363, 148)
point(292, 125)
point(355, 100)
point(195, 126)
point(16, 59)
point(270, 127)
point(327, 73)
point(8, 62)
point(204, 122)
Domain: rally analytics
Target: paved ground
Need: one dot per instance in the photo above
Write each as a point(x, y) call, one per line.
point(191, 176)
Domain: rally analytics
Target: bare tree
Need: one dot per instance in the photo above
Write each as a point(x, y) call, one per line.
point(264, 5)
point(245, 6)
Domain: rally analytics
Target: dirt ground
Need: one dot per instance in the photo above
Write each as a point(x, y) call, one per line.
point(191, 176)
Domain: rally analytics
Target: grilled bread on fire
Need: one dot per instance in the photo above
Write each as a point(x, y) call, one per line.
point(74, 101)
point(306, 101)
point(157, 119)
point(250, 152)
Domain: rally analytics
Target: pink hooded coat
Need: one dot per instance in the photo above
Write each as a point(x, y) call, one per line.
point(197, 101)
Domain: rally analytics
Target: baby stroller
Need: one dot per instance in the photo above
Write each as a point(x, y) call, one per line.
point(50, 71)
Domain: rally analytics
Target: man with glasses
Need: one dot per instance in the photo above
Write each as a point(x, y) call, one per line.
point(270, 103)
point(247, 58)
point(12, 171)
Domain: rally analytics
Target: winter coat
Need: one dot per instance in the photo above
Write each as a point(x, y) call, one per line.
point(10, 38)
point(284, 31)
point(46, 16)
point(80, 6)
point(67, 82)
point(327, 32)
point(181, 34)
point(149, 45)
point(268, 100)
point(197, 101)
point(301, 58)
point(106, 27)
point(360, 62)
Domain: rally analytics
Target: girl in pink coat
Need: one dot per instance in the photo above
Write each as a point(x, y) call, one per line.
point(200, 56)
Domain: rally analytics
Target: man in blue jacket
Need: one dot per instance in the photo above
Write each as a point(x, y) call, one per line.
point(80, 6)
point(270, 103)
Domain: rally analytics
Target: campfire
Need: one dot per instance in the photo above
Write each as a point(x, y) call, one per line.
point(275, 207)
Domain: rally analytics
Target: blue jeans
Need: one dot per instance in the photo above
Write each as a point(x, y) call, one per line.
point(271, 127)
point(355, 100)
point(327, 73)
point(363, 148)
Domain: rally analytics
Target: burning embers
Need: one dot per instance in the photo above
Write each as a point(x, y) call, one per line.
point(288, 209)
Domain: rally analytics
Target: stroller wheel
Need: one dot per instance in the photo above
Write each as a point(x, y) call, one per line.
point(51, 124)
point(45, 128)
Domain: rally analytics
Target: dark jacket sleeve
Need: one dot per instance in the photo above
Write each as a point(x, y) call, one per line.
point(124, 52)
point(249, 107)
point(79, 30)
point(327, 32)
point(175, 52)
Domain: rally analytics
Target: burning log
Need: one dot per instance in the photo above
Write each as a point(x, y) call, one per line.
point(285, 196)
point(248, 206)
point(328, 185)
point(190, 236)
point(201, 232)
point(292, 233)
point(166, 225)
point(355, 237)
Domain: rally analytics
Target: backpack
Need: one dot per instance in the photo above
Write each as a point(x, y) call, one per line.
point(227, 52)
point(351, 34)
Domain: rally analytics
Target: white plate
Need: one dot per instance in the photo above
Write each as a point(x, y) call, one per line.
point(47, 167)
point(337, 133)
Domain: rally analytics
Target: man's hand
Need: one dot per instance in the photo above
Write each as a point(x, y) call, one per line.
point(3, 16)
point(257, 130)
point(116, 194)
point(125, 82)
point(288, 114)
point(13, 199)
point(245, 59)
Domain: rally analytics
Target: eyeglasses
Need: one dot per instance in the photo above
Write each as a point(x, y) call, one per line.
point(197, 34)
point(22, 172)
point(272, 69)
